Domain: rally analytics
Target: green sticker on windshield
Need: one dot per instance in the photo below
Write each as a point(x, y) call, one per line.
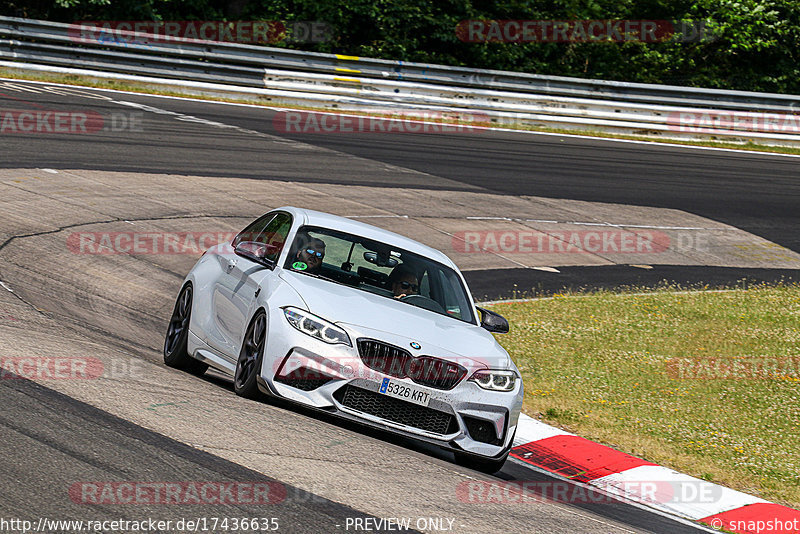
point(299, 265)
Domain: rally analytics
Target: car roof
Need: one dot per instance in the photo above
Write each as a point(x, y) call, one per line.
point(350, 226)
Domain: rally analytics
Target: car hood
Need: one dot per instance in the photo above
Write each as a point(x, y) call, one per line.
point(398, 322)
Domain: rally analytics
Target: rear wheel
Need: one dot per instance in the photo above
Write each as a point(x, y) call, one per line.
point(175, 353)
point(248, 365)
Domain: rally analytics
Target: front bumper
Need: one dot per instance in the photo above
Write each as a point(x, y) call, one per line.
point(333, 378)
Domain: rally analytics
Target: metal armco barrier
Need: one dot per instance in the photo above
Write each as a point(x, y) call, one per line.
point(365, 84)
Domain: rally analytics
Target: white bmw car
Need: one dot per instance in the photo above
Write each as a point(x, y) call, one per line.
point(354, 320)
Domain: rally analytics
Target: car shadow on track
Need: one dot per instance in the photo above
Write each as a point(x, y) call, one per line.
point(514, 474)
point(224, 381)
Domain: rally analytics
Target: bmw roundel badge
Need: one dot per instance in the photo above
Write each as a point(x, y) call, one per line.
point(415, 345)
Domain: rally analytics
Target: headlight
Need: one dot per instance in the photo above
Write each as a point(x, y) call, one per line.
point(314, 326)
point(495, 380)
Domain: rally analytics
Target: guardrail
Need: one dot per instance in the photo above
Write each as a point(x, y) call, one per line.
point(353, 83)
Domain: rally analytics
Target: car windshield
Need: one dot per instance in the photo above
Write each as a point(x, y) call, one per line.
point(381, 269)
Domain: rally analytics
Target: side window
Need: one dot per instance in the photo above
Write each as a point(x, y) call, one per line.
point(275, 234)
point(454, 303)
point(271, 229)
point(254, 229)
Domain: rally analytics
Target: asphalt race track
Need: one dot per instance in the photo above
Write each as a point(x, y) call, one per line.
point(754, 192)
point(194, 167)
point(77, 441)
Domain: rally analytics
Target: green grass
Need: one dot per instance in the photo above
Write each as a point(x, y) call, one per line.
point(603, 365)
point(149, 88)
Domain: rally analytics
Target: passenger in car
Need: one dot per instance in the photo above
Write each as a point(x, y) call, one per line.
point(404, 281)
point(312, 254)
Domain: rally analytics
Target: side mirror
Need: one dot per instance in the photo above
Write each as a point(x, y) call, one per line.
point(257, 252)
point(493, 322)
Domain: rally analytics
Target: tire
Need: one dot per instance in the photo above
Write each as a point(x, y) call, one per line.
point(175, 353)
point(248, 365)
point(484, 465)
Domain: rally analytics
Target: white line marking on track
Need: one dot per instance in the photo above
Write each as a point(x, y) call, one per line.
point(6, 287)
point(619, 225)
point(582, 223)
point(521, 132)
point(191, 118)
point(376, 216)
point(548, 221)
point(19, 88)
point(675, 227)
point(547, 269)
point(645, 294)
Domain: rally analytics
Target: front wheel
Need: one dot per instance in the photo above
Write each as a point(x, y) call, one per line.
point(248, 366)
point(489, 466)
point(175, 342)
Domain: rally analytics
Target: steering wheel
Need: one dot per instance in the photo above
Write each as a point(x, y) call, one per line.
point(423, 302)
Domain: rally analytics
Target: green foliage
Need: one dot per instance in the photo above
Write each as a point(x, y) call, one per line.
point(748, 44)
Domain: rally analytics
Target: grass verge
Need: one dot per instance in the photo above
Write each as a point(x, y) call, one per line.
point(147, 88)
point(707, 383)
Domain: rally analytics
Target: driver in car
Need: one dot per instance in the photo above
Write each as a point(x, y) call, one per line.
point(404, 281)
point(311, 254)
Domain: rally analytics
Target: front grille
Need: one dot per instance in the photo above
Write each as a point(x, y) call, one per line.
point(396, 410)
point(384, 358)
point(481, 430)
point(394, 361)
point(436, 373)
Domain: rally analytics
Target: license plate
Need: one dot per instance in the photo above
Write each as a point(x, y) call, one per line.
point(404, 391)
